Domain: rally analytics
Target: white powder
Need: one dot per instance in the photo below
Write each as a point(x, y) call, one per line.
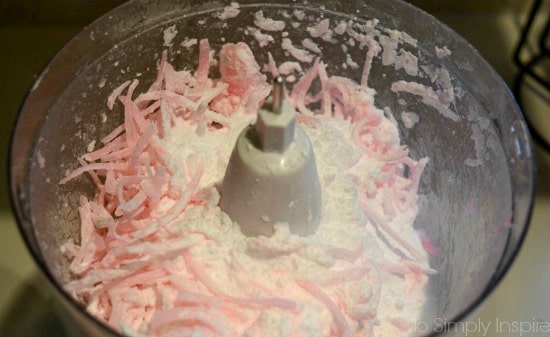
point(168, 35)
point(286, 68)
point(389, 49)
point(290, 78)
point(91, 146)
point(299, 14)
point(40, 159)
point(188, 43)
point(360, 261)
point(262, 38)
point(102, 82)
point(283, 258)
point(309, 44)
point(341, 28)
point(268, 24)
point(116, 92)
point(479, 145)
point(230, 11)
point(319, 29)
point(442, 52)
point(438, 100)
point(298, 53)
point(212, 149)
point(409, 119)
point(350, 62)
point(406, 61)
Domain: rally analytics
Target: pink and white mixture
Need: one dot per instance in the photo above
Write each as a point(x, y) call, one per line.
point(157, 256)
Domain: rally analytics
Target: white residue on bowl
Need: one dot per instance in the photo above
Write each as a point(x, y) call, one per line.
point(168, 35)
point(102, 82)
point(409, 119)
point(309, 44)
point(429, 97)
point(299, 14)
point(188, 43)
point(350, 62)
point(230, 11)
point(301, 55)
point(289, 67)
point(40, 159)
point(91, 146)
point(319, 29)
point(442, 52)
point(262, 38)
point(268, 24)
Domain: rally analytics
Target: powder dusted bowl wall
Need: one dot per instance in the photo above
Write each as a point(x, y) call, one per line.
point(476, 191)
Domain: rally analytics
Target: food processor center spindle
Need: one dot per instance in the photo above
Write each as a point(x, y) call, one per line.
point(272, 175)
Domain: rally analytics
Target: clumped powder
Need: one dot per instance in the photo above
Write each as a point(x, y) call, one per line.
point(230, 11)
point(169, 34)
point(298, 53)
point(268, 24)
point(158, 257)
point(409, 119)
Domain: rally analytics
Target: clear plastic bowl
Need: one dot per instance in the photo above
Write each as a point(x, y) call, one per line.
point(477, 214)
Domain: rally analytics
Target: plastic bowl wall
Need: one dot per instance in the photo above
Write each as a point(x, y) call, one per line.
point(476, 192)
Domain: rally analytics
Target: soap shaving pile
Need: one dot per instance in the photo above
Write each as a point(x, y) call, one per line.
point(157, 257)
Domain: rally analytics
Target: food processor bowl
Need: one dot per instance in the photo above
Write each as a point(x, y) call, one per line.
point(475, 195)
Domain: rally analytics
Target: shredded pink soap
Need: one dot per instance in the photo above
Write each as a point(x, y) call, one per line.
point(158, 257)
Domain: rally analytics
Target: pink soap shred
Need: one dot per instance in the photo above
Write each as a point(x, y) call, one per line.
point(133, 269)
